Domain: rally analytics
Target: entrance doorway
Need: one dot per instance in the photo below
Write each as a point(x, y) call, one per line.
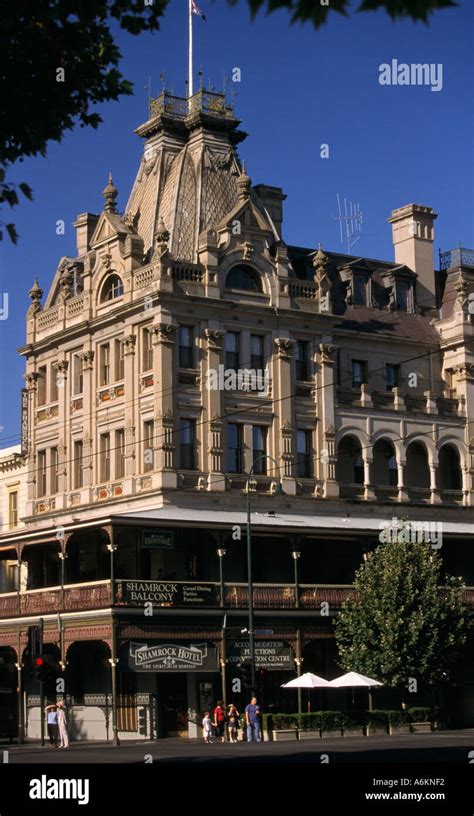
point(172, 704)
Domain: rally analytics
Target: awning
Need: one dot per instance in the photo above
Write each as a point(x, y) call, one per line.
point(316, 522)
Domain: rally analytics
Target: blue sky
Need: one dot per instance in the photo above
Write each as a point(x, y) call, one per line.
point(388, 146)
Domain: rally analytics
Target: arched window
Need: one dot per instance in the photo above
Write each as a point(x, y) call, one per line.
point(112, 288)
point(243, 277)
point(417, 472)
point(384, 467)
point(449, 468)
point(350, 464)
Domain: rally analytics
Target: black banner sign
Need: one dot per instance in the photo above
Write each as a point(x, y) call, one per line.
point(172, 657)
point(24, 422)
point(269, 654)
point(166, 593)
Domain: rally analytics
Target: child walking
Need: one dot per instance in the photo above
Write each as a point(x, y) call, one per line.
point(207, 727)
point(233, 723)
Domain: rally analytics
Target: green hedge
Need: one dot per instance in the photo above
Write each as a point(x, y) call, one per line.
point(333, 720)
point(424, 714)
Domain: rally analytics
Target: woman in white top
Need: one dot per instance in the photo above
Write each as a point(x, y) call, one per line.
point(62, 726)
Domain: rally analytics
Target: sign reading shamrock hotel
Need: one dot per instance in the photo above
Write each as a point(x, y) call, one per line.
point(172, 657)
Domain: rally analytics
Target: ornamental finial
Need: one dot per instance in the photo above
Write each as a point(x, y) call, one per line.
point(110, 194)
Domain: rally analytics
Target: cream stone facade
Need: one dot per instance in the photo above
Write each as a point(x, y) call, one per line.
point(366, 414)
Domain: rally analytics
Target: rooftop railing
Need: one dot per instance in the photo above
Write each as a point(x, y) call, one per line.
point(178, 107)
point(456, 257)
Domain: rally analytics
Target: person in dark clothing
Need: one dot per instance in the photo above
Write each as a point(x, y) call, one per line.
point(52, 715)
point(253, 716)
point(220, 718)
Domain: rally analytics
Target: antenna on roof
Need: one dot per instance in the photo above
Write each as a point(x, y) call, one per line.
point(148, 88)
point(352, 218)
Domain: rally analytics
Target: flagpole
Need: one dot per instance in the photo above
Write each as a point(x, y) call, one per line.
point(190, 65)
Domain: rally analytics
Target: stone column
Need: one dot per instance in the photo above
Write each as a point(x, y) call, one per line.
point(325, 398)
point(286, 448)
point(31, 380)
point(212, 403)
point(283, 379)
point(435, 494)
point(402, 491)
point(131, 413)
point(368, 490)
point(64, 468)
point(89, 419)
point(163, 339)
point(466, 485)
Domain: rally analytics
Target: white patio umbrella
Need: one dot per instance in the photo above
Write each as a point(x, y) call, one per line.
point(353, 680)
point(309, 681)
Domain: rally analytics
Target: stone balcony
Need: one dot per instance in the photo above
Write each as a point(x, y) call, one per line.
point(398, 400)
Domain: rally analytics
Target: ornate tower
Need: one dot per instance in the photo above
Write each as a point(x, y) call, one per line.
point(187, 179)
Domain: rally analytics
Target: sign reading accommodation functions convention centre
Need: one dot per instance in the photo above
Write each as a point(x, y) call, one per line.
point(269, 654)
point(172, 657)
point(157, 539)
point(166, 593)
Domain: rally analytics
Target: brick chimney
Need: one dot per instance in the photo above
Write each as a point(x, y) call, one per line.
point(413, 236)
point(85, 225)
point(272, 199)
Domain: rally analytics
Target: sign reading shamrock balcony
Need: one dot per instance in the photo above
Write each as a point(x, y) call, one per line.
point(166, 593)
point(269, 654)
point(157, 539)
point(172, 657)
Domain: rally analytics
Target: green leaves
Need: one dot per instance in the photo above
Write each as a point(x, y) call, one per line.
point(402, 623)
point(312, 11)
point(38, 37)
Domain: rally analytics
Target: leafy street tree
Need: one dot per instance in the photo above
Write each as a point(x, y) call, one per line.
point(316, 11)
point(59, 57)
point(404, 620)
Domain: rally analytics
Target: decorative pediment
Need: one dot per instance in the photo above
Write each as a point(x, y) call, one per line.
point(402, 272)
point(109, 225)
point(249, 217)
point(359, 265)
point(66, 281)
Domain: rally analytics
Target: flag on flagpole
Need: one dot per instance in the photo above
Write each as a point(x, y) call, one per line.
point(197, 10)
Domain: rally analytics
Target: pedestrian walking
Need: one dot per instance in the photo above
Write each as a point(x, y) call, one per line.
point(233, 718)
point(220, 718)
point(62, 727)
point(253, 717)
point(52, 715)
point(207, 727)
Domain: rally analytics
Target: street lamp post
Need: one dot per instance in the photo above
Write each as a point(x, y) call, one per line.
point(296, 555)
point(221, 553)
point(278, 492)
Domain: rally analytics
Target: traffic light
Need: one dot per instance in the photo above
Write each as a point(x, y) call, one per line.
point(40, 669)
point(44, 669)
point(35, 641)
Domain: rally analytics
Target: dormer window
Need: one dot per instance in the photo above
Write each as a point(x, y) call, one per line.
point(243, 277)
point(112, 288)
point(403, 295)
point(360, 287)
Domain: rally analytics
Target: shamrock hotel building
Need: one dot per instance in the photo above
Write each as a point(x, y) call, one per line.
point(343, 399)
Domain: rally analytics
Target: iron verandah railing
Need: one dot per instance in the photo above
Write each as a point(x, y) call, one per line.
point(181, 595)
